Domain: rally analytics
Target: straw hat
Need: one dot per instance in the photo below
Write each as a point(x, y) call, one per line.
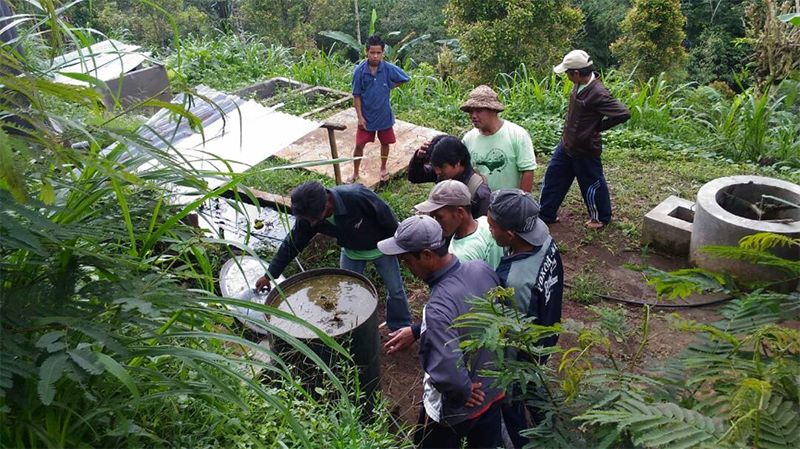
point(482, 97)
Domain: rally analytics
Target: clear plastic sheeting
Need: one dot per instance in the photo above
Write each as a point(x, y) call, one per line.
point(105, 61)
point(249, 225)
point(237, 133)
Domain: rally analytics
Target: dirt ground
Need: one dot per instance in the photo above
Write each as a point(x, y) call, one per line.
point(581, 252)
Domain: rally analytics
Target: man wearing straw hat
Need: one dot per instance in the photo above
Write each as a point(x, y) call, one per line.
point(592, 110)
point(500, 150)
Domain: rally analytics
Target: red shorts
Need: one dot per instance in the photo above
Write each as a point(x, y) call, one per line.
point(385, 136)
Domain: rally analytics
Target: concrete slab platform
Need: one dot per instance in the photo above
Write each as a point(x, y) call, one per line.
point(668, 226)
point(314, 147)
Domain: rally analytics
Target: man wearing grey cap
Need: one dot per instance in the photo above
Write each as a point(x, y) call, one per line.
point(534, 270)
point(458, 402)
point(450, 204)
point(592, 110)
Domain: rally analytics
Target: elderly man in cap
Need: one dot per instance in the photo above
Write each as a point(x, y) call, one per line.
point(458, 402)
point(533, 269)
point(592, 110)
point(501, 150)
point(450, 204)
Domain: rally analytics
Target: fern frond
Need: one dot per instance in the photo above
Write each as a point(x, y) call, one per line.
point(780, 424)
point(753, 256)
point(765, 240)
point(664, 425)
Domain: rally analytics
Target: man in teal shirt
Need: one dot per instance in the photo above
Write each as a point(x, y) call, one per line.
point(449, 203)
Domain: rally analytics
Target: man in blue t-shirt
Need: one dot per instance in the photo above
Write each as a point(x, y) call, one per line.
point(373, 80)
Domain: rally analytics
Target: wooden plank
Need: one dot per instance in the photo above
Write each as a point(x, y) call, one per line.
point(315, 146)
point(265, 199)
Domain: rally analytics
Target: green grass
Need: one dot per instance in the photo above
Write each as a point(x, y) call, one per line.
point(587, 285)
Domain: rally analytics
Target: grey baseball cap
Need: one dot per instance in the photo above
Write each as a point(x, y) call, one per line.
point(446, 193)
point(414, 234)
point(518, 211)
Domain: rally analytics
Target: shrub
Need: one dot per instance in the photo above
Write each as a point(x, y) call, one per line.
point(715, 58)
point(776, 54)
point(498, 36)
point(652, 36)
point(149, 26)
point(292, 23)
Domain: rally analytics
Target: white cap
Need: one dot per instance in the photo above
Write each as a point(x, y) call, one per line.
point(575, 60)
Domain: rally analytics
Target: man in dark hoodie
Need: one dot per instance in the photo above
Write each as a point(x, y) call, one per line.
point(446, 157)
point(592, 110)
point(458, 402)
point(357, 218)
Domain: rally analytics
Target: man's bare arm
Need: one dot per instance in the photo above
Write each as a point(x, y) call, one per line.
point(526, 181)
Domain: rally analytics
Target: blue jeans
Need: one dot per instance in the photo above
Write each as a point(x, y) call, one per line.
point(558, 178)
point(398, 314)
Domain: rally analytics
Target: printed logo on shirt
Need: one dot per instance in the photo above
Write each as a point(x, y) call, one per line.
point(358, 225)
point(547, 277)
point(495, 160)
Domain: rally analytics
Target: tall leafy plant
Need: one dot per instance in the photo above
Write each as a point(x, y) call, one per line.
point(398, 52)
point(499, 36)
point(651, 40)
point(107, 298)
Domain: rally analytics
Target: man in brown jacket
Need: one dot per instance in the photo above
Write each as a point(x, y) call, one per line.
point(592, 110)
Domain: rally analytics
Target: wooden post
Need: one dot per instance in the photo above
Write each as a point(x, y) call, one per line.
point(331, 127)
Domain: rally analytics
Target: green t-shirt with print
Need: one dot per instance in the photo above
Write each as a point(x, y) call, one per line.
point(354, 254)
point(480, 245)
point(502, 156)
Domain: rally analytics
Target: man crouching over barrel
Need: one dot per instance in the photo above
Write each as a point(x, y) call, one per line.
point(358, 219)
point(458, 403)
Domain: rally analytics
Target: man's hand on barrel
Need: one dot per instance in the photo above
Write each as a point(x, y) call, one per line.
point(477, 396)
point(399, 340)
point(263, 284)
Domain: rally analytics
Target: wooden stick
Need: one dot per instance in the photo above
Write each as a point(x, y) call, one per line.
point(337, 172)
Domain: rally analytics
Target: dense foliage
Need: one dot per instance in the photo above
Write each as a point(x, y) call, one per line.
point(652, 39)
point(734, 385)
point(499, 36)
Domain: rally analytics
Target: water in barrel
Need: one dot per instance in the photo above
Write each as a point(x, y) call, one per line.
point(335, 304)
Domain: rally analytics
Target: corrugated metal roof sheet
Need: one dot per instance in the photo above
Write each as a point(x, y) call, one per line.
point(243, 133)
point(104, 60)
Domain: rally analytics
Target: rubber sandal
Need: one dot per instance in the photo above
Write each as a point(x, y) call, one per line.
point(384, 175)
point(351, 180)
point(591, 224)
